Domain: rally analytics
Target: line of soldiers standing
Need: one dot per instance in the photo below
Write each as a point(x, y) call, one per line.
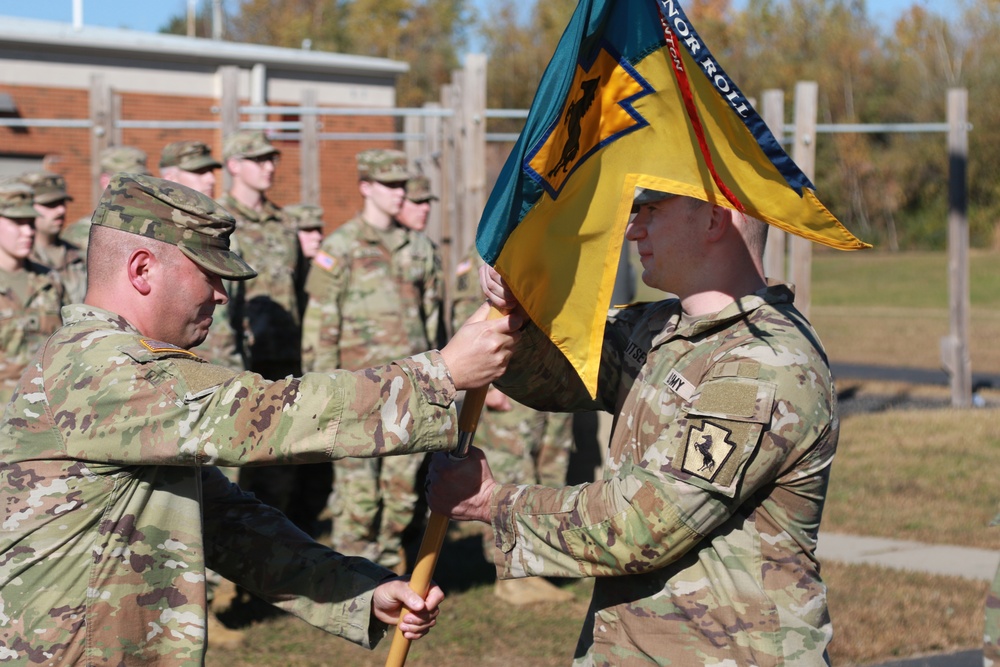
point(368, 293)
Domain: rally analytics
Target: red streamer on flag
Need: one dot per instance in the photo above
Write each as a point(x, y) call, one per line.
point(685, 86)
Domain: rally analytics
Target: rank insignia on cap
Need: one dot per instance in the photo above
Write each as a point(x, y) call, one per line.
point(708, 449)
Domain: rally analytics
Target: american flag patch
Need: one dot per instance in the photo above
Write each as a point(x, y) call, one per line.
point(324, 261)
point(463, 267)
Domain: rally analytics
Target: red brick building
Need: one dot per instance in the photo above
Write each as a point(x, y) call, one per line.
point(67, 93)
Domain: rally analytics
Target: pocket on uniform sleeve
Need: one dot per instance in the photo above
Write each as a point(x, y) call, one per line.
point(725, 420)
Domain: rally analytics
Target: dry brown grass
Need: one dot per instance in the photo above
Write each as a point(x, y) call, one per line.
point(919, 475)
point(881, 614)
point(904, 337)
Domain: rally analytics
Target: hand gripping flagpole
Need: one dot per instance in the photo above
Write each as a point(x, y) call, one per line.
point(437, 524)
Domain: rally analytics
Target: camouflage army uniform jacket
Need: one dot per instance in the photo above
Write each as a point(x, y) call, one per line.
point(70, 263)
point(112, 506)
point(373, 296)
point(266, 308)
point(703, 531)
point(29, 313)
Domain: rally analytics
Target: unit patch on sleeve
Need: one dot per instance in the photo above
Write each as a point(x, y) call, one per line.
point(708, 450)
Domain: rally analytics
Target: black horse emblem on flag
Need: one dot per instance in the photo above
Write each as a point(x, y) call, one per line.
point(573, 120)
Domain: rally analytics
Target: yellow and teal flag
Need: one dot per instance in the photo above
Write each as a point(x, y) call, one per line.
point(632, 98)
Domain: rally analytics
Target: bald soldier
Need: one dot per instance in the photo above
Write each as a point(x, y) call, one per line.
point(702, 532)
point(112, 504)
point(30, 293)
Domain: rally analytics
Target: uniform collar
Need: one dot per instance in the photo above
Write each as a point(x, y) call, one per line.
point(81, 312)
point(774, 293)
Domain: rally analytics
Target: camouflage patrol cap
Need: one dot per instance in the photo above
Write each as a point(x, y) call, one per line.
point(175, 214)
point(16, 200)
point(305, 216)
point(123, 158)
point(418, 190)
point(188, 155)
point(247, 144)
point(77, 233)
point(382, 165)
point(49, 188)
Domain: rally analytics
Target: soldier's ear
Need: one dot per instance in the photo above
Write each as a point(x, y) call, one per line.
point(140, 264)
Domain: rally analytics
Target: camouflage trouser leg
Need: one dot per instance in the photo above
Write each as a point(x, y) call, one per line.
point(397, 481)
point(508, 438)
point(991, 633)
point(552, 454)
point(355, 504)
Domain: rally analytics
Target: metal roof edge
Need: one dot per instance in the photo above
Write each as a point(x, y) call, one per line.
point(58, 37)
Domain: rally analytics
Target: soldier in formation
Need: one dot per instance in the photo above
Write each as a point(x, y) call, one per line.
point(31, 294)
point(374, 295)
point(113, 505)
point(65, 258)
point(702, 532)
point(264, 310)
point(524, 446)
point(111, 161)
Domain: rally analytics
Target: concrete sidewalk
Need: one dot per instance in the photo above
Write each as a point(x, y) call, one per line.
point(905, 555)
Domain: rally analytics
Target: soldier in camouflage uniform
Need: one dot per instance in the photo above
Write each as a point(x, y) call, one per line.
point(265, 308)
point(702, 533)
point(264, 311)
point(30, 294)
point(374, 295)
point(50, 250)
point(308, 222)
point(524, 446)
point(112, 160)
point(413, 214)
point(112, 504)
point(190, 163)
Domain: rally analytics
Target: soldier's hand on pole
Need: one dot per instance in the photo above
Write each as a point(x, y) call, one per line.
point(479, 351)
point(391, 596)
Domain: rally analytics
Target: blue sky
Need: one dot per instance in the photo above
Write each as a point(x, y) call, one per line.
point(153, 14)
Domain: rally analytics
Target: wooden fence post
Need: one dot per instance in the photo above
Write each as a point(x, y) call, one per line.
point(955, 346)
point(100, 131)
point(776, 250)
point(229, 112)
point(804, 155)
point(309, 150)
point(474, 136)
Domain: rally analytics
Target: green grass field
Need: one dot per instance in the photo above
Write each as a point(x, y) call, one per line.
point(924, 475)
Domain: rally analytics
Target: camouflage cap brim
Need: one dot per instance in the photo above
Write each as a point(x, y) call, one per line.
point(392, 175)
point(416, 199)
point(199, 162)
point(218, 260)
point(18, 211)
point(48, 198)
